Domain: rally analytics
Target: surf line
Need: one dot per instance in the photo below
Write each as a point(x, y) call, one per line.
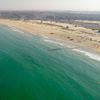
point(89, 54)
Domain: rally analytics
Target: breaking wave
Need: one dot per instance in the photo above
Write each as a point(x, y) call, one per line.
point(89, 54)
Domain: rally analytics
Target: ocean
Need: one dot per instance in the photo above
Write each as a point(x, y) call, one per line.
point(34, 67)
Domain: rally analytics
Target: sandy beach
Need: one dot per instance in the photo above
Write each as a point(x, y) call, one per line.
point(59, 31)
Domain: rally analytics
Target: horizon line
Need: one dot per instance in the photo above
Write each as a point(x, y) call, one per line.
point(53, 10)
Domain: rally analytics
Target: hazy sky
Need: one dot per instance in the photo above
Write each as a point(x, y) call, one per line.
point(90, 5)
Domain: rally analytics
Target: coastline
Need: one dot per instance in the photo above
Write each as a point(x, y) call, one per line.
point(63, 32)
point(36, 61)
point(92, 54)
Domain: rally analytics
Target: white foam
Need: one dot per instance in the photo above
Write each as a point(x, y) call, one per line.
point(52, 41)
point(16, 30)
point(89, 54)
point(45, 37)
point(70, 46)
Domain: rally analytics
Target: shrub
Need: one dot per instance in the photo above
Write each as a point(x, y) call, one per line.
point(98, 31)
point(67, 27)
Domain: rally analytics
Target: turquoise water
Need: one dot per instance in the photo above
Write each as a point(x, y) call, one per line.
point(33, 69)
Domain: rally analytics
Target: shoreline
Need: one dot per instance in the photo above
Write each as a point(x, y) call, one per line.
point(63, 32)
point(94, 55)
point(83, 50)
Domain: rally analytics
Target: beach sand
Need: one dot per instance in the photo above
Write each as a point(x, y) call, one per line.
point(60, 31)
